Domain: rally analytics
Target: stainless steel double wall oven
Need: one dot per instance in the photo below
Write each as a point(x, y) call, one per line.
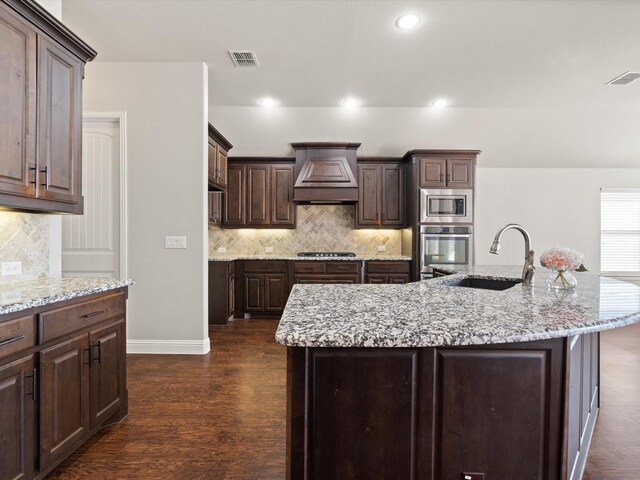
point(446, 228)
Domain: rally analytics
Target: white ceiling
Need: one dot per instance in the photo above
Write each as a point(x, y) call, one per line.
point(476, 53)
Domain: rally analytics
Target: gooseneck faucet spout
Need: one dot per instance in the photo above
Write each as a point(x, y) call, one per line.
point(529, 269)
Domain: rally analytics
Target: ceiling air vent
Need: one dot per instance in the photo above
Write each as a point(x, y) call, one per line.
point(244, 58)
point(624, 79)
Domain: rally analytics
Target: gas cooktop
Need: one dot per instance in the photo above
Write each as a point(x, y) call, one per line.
point(326, 254)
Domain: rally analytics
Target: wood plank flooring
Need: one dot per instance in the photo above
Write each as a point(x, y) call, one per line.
point(222, 416)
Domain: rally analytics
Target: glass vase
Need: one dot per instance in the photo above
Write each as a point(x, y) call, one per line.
point(561, 280)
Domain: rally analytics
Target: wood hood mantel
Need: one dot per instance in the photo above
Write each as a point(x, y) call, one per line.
point(325, 172)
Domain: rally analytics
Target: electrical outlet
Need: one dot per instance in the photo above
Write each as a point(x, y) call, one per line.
point(11, 268)
point(172, 241)
point(472, 476)
point(268, 249)
point(222, 249)
point(381, 248)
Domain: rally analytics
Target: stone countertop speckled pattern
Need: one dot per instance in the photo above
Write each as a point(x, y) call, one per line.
point(357, 258)
point(16, 296)
point(433, 313)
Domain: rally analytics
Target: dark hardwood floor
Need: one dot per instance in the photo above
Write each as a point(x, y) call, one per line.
point(222, 416)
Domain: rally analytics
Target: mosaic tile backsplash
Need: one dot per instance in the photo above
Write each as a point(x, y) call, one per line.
point(25, 238)
point(327, 228)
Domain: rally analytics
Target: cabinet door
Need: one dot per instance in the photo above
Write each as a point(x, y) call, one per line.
point(17, 419)
point(234, 205)
point(108, 382)
point(221, 163)
point(392, 196)
point(212, 161)
point(369, 193)
point(459, 173)
point(64, 391)
point(283, 210)
point(17, 105)
point(275, 292)
point(59, 123)
point(253, 292)
point(432, 172)
point(215, 208)
point(258, 197)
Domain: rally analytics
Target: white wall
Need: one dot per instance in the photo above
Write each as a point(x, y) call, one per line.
point(559, 206)
point(508, 137)
point(166, 106)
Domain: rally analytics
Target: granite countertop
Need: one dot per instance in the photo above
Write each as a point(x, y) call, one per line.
point(270, 256)
point(21, 295)
point(433, 313)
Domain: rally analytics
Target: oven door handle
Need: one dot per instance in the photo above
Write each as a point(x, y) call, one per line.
point(454, 235)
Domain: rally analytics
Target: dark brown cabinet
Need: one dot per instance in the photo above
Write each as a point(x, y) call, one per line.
point(57, 392)
point(446, 172)
point(381, 195)
point(265, 286)
point(217, 153)
point(259, 196)
point(64, 412)
point(317, 271)
point(222, 287)
point(40, 111)
point(387, 272)
point(18, 399)
point(215, 208)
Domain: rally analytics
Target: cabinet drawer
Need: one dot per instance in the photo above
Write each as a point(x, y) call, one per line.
point(342, 267)
point(326, 279)
point(269, 266)
point(387, 267)
point(16, 335)
point(309, 267)
point(59, 322)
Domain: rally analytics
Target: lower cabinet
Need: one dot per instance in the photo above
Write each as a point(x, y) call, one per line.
point(18, 419)
point(222, 288)
point(68, 385)
point(264, 288)
point(387, 272)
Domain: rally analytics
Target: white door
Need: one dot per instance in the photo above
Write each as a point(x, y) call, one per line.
point(91, 242)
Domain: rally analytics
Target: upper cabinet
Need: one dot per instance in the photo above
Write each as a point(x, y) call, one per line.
point(40, 110)
point(260, 195)
point(218, 150)
point(380, 195)
point(441, 170)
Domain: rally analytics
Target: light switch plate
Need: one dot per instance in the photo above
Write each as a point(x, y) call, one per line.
point(381, 248)
point(268, 249)
point(222, 249)
point(175, 241)
point(11, 268)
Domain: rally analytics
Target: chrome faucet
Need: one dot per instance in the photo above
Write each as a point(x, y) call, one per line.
point(529, 269)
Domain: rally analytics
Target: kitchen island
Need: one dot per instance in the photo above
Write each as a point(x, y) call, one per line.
point(436, 381)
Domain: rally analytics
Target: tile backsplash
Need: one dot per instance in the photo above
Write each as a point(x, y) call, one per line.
point(319, 228)
point(25, 238)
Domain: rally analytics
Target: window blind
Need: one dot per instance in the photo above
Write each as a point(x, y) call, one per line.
point(620, 231)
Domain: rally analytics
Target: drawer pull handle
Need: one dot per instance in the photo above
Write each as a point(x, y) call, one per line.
point(342, 268)
point(89, 357)
point(93, 314)
point(34, 385)
point(10, 340)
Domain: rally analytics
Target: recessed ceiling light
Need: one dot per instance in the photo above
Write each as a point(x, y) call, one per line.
point(269, 102)
point(351, 102)
point(439, 103)
point(407, 21)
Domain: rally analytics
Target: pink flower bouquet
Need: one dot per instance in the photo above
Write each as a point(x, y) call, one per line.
point(562, 259)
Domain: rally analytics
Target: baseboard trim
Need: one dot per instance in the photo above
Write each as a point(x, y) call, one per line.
point(169, 347)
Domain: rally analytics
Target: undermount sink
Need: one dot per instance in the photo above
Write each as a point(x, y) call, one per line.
point(484, 283)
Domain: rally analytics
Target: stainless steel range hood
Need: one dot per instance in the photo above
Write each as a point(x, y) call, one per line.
point(326, 173)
